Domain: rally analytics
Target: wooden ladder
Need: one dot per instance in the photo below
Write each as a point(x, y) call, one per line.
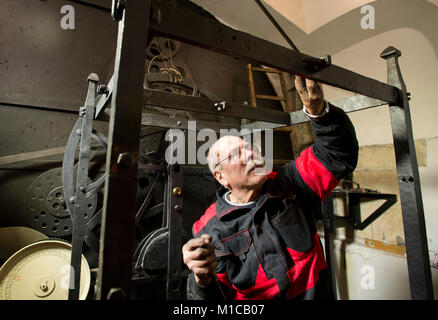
point(295, 132)
point(254, 96)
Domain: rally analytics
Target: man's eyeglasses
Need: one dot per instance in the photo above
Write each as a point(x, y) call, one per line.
point(236, 153)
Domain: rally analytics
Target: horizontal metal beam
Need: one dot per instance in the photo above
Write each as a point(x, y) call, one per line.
point(275, 118)
point(155, 120)
point(351, 104)
point(188, 26)
point(358, 102)
point(205, 105)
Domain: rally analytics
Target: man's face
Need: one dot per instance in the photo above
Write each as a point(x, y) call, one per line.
point(239, 165)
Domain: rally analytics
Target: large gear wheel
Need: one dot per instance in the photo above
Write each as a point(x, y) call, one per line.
point(41, 271)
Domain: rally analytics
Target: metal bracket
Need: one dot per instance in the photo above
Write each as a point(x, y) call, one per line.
point(354, 207)
point(354, 219)
point(220, 105)
point(106, 92)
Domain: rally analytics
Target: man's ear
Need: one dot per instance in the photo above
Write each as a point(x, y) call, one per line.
point(221, 178)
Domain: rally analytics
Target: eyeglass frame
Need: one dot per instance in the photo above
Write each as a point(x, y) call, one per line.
point(245, 145)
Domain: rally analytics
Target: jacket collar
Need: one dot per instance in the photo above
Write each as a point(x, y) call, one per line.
point(269, 190)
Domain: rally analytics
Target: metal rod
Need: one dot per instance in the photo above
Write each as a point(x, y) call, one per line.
point(276, 25)
point(328, 219)
point(174, 224)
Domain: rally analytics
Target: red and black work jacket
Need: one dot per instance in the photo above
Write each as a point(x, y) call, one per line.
point(271, 249)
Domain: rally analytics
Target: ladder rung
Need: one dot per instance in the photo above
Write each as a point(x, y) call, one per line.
point(265, 97)
point(265, 70)
point(284, 129)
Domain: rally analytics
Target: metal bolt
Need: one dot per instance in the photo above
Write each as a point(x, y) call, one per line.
point(177, 191)
point(178, 123)
point(102, 89)
point(178, 207)
point(82, 189)
point(72, 199)
point(125, 160)
point(78, 131)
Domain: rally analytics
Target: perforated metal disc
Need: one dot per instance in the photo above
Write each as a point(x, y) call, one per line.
point(41, 271)
point(162, 48)
point(46, 207)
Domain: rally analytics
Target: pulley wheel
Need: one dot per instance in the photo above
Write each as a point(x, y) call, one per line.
point(41, 271)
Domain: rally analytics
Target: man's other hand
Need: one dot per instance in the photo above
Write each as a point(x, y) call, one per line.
point(199, 257)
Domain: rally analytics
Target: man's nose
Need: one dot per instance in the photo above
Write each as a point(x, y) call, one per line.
point(247, 154)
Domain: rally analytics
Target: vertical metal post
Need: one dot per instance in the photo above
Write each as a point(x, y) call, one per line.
point(119, 207)
point(409, 184)
point(328, 219)
point(174, 225)
point(354, 211)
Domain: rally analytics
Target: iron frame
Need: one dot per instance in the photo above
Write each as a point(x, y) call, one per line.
point(184, 25)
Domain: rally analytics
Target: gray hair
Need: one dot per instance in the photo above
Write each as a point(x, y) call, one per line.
point(214, 153)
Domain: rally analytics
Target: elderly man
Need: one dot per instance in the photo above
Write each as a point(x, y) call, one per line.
point(258, 240)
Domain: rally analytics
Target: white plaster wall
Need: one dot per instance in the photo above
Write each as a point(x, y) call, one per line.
point(369, 274)
point(419, 67)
